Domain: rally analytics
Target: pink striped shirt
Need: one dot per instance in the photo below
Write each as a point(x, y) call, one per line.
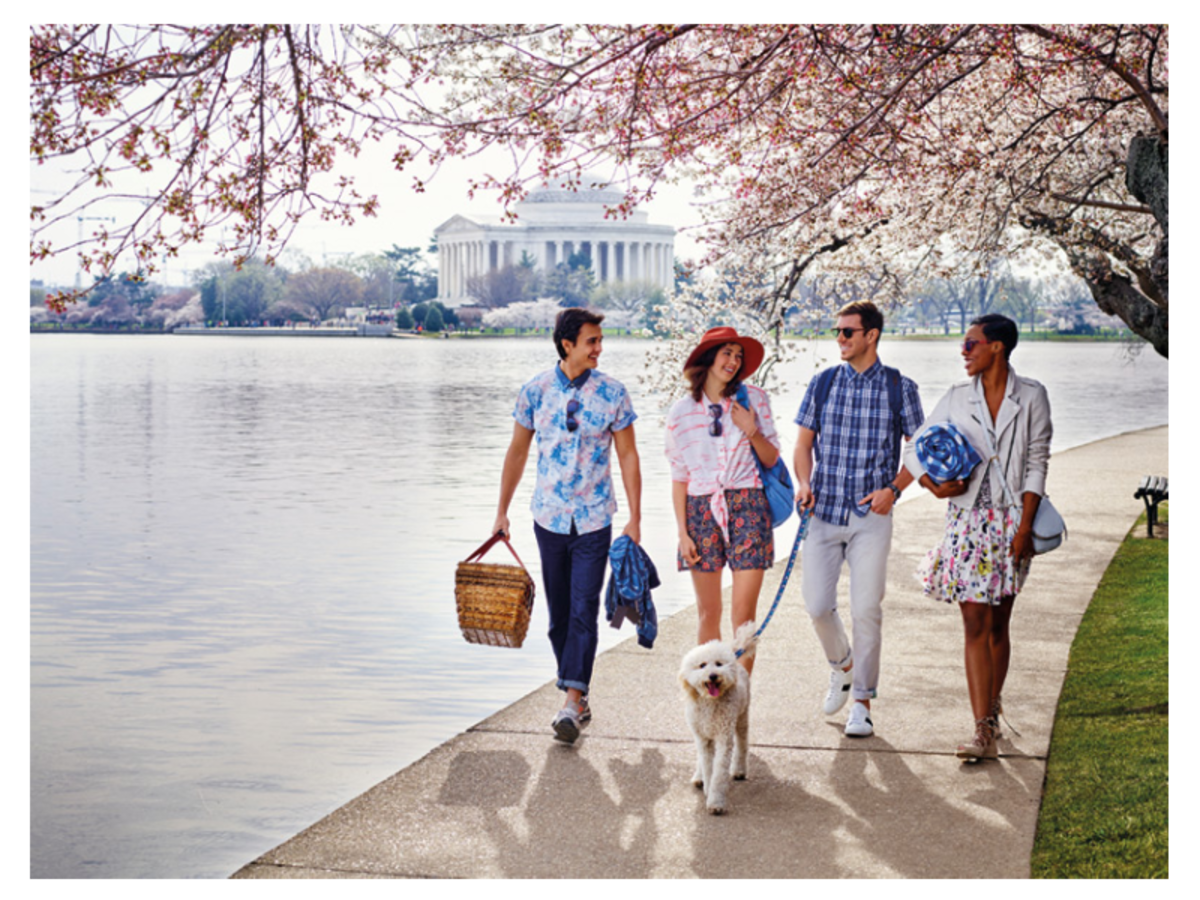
point(709, 465)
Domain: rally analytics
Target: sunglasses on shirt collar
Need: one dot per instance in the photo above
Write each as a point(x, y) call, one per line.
point(715, 428)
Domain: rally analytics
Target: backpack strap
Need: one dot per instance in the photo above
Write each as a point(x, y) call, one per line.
point(824, 386)
point(896, 402)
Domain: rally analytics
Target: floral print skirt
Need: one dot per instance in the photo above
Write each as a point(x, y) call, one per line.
point(974, 563)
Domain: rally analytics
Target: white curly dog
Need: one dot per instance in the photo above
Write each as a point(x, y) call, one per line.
point(717, 693)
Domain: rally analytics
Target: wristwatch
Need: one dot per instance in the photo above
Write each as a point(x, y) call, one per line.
point(895, 490)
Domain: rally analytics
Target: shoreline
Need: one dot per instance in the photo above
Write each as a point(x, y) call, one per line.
point(489, 802)
point(382, 331)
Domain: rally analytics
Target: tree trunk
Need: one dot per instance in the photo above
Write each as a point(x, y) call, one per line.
point(1116, 295)
point(1142, 304)
point(1146, 176)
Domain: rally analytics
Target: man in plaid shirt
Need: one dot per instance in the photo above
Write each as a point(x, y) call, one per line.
point(856, 480)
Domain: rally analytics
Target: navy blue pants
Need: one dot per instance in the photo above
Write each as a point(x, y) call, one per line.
point(573, 568)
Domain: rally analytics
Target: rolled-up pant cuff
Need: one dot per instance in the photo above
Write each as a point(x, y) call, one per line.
point(567, 685)
point(846, 661)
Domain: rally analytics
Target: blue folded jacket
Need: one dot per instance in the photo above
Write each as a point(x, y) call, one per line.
point(945, 454)
point(628, 596)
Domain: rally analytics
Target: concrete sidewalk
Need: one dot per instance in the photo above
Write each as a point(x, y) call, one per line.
point(504, 800)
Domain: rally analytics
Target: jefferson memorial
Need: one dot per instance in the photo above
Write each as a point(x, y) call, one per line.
point(552, 224)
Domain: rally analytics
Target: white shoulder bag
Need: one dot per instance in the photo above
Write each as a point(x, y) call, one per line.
point(1049, 529)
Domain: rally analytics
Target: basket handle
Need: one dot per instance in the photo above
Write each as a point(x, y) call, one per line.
point(491, 542)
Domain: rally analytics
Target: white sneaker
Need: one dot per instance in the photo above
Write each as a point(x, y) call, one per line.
point(859, 722)
point(839, 690)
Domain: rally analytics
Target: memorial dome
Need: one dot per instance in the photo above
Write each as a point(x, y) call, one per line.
point(591, 189)
point(552, 224)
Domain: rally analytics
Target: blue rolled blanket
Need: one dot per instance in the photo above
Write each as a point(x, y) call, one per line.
point(945, 454)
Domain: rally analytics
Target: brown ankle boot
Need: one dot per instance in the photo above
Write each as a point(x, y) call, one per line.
point(996, 714)
point(982, 745)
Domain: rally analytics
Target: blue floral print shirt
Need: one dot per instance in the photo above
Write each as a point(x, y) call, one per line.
point(574, 475)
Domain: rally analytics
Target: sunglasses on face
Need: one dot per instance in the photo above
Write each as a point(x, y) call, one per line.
point(714, 410)
point(573, 407)
point(970, 344)
point(847, 333)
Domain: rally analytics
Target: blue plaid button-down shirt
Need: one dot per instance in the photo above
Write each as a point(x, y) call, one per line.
point(853, 448)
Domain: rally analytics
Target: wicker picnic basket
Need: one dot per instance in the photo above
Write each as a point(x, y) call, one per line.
point(494, 601)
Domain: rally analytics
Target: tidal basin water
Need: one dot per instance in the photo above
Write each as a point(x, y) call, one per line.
point(242, 567)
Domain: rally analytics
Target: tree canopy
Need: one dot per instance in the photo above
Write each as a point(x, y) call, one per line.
point(895, 152)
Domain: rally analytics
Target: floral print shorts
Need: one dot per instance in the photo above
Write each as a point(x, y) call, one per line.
point(750, 532)
point(973, 563)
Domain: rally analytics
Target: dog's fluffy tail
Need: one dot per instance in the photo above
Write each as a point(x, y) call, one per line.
point(745, 639)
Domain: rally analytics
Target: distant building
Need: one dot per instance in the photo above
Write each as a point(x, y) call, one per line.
point(552, 224)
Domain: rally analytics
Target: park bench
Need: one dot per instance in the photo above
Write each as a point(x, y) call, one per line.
point(1152, 491)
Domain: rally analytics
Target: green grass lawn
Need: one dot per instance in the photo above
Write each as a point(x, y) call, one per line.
point(1104, 811)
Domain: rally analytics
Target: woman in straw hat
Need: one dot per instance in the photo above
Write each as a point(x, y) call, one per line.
point(720, 506)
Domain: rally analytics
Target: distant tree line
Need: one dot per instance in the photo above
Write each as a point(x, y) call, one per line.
point(295, 290)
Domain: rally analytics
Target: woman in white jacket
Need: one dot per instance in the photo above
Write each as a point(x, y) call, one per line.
point(984, 558)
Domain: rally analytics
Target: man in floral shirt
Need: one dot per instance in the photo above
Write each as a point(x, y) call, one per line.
point(579, 415)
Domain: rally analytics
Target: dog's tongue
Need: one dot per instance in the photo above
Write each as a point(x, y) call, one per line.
point(713, 690)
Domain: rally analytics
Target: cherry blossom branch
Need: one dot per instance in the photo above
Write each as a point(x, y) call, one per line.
point(1109, 61)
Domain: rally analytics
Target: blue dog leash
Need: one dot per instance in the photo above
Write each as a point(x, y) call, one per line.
point(801, 531)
